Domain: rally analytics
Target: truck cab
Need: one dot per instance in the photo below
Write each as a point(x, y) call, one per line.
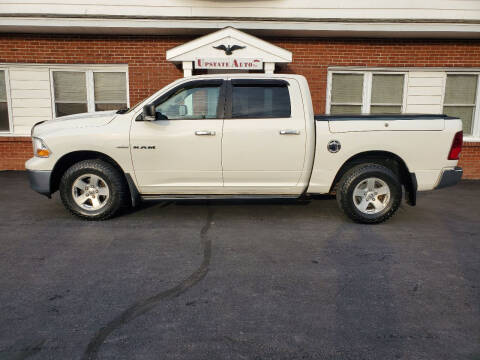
point(224, 136)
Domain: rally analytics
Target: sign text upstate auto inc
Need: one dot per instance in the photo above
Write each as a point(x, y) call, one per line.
point(223, 63)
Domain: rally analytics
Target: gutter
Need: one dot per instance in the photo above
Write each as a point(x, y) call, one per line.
point(259, 26)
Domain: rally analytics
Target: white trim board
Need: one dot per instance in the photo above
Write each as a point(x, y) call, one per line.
point(146, 26)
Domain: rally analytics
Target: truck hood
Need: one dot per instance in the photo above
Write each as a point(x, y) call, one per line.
point(98, 118)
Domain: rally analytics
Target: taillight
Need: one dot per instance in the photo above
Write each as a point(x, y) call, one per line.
point(456, 148)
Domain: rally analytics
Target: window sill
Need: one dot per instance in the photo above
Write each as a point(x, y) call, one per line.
point(13, 135)
point(471, 139)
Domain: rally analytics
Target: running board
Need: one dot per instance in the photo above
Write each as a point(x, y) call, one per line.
point(217, 197)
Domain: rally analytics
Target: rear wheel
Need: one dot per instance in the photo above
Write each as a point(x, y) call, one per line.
point(93, 190)
point(369, 193)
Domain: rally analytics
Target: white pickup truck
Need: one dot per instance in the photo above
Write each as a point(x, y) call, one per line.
point(242, 136)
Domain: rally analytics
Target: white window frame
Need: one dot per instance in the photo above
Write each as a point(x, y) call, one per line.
point(89, 83)
point(9, 102)
point(367, 88)
point(475, 136)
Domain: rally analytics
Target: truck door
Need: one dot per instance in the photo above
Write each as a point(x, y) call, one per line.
point(180, 152)
point(264, 137)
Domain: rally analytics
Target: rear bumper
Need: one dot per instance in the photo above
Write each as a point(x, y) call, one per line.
point(40, 181)
point(450, 177)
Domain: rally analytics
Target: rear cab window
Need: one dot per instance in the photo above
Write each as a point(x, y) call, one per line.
point(259, 98)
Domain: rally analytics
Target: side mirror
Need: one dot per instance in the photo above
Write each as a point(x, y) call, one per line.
point(149, 112)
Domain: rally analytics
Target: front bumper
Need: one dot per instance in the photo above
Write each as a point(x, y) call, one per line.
point(40, 181)
point(450, 177)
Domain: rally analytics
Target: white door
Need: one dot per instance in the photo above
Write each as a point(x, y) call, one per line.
point(264, 138)
point(180, 152)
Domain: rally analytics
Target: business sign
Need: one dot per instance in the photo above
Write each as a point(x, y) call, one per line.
point(226, 63)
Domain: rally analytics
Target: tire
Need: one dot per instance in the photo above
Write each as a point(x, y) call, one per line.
point(369, 193)
point(93, 190)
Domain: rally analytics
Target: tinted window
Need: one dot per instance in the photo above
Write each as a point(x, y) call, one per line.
point(199, 102)
point(260, 101)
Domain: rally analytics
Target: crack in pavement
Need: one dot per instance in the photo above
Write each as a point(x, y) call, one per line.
point(24, 353)
point(142, 306)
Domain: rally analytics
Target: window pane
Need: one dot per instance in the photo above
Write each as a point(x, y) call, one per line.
point(191, 103)
point(463, 112)
point(4, 122)
point(345, 109)
point(347, 88)
point(69, 86)
point(461, 89)
point(106, 107)
point(3, 88)
point(387, 89)
point(260, 102)
point(110, 87)
point(63, 109)
point(378, 109)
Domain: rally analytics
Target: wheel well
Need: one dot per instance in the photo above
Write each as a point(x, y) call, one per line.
point(387, 159)
point(72, 158)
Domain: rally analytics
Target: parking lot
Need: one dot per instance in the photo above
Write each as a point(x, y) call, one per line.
point(239, 280)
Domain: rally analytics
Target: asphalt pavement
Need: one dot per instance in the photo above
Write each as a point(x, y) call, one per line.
point(239, 280)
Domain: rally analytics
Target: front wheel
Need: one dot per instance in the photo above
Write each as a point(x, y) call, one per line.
point(369, 193)
point(93, 190)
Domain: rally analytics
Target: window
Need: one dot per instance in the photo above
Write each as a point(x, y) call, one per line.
point(387, 94)
point(88, 90)
point(260, 101)
point(460, 98)
point(366, 92)
point(70, 92)
point(4, 118)
point(189, 103)
point(110, 90)
point(347, 90)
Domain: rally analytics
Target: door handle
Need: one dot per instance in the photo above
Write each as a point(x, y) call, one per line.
point(289, 132)
point(205, 133)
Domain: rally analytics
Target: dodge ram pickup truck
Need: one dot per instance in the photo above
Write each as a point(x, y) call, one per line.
point(242, 136)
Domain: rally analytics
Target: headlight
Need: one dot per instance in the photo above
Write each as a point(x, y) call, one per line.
point(40, 149)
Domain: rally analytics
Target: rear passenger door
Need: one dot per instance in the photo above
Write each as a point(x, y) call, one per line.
point(263, 145)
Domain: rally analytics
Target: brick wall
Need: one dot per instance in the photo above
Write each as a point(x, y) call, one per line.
point(149, 71)
point(15, 151)
point(470, 160)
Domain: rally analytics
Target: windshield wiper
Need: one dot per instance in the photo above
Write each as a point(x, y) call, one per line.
point(123, 111)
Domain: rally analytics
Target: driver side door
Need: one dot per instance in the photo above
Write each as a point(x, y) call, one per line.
point(180, 152)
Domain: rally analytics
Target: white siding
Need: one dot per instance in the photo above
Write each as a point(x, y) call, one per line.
point(30, 96)
point(318, 9)
point(425, 92)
